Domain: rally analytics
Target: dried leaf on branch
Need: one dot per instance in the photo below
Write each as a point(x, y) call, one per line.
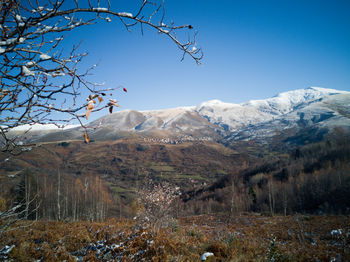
point(86, 138)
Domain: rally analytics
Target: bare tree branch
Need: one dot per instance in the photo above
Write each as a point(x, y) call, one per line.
point(35, 74)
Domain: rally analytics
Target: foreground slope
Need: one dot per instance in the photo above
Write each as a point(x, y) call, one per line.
point(239, 238)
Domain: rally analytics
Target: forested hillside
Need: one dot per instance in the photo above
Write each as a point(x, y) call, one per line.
point(71, 180)
point(314, 178)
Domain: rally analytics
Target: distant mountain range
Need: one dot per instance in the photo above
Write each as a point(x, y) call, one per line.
point(314, 108)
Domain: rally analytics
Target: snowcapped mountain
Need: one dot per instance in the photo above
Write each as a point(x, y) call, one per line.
point(316, 109)
point(172, 122)
point(238, 116)
point(257, 119)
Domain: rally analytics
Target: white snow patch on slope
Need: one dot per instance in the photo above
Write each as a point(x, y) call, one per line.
point(167, 115)
point(38, 127)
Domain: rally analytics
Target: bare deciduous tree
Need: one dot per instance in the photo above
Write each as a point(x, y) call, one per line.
point(35, 73)
point(158, 201)
point(14, 214)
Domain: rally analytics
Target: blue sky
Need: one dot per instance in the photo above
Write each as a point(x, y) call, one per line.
point(252, 50)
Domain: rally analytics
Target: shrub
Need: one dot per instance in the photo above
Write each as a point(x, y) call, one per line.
point(157, 202)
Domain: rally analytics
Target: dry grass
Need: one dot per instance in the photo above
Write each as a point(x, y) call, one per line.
point(241, 238)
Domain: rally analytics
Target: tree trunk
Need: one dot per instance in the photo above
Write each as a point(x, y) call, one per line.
point(27, 194)
point(271, 197)
point(232, 197)
point(59, 196)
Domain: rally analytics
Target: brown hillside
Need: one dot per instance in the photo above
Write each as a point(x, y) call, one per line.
point(126, 163)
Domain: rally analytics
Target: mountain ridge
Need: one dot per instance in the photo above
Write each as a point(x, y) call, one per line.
point(218, 119)
point(253, 120)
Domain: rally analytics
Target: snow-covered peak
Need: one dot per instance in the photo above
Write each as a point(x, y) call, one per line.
point(282, 102)
point(256, 111)
point(167, 115)
point(214, 103)
point(287, 101)
point(310, 93)
point(175, 109)
point(327, 90)
point(307, 94)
